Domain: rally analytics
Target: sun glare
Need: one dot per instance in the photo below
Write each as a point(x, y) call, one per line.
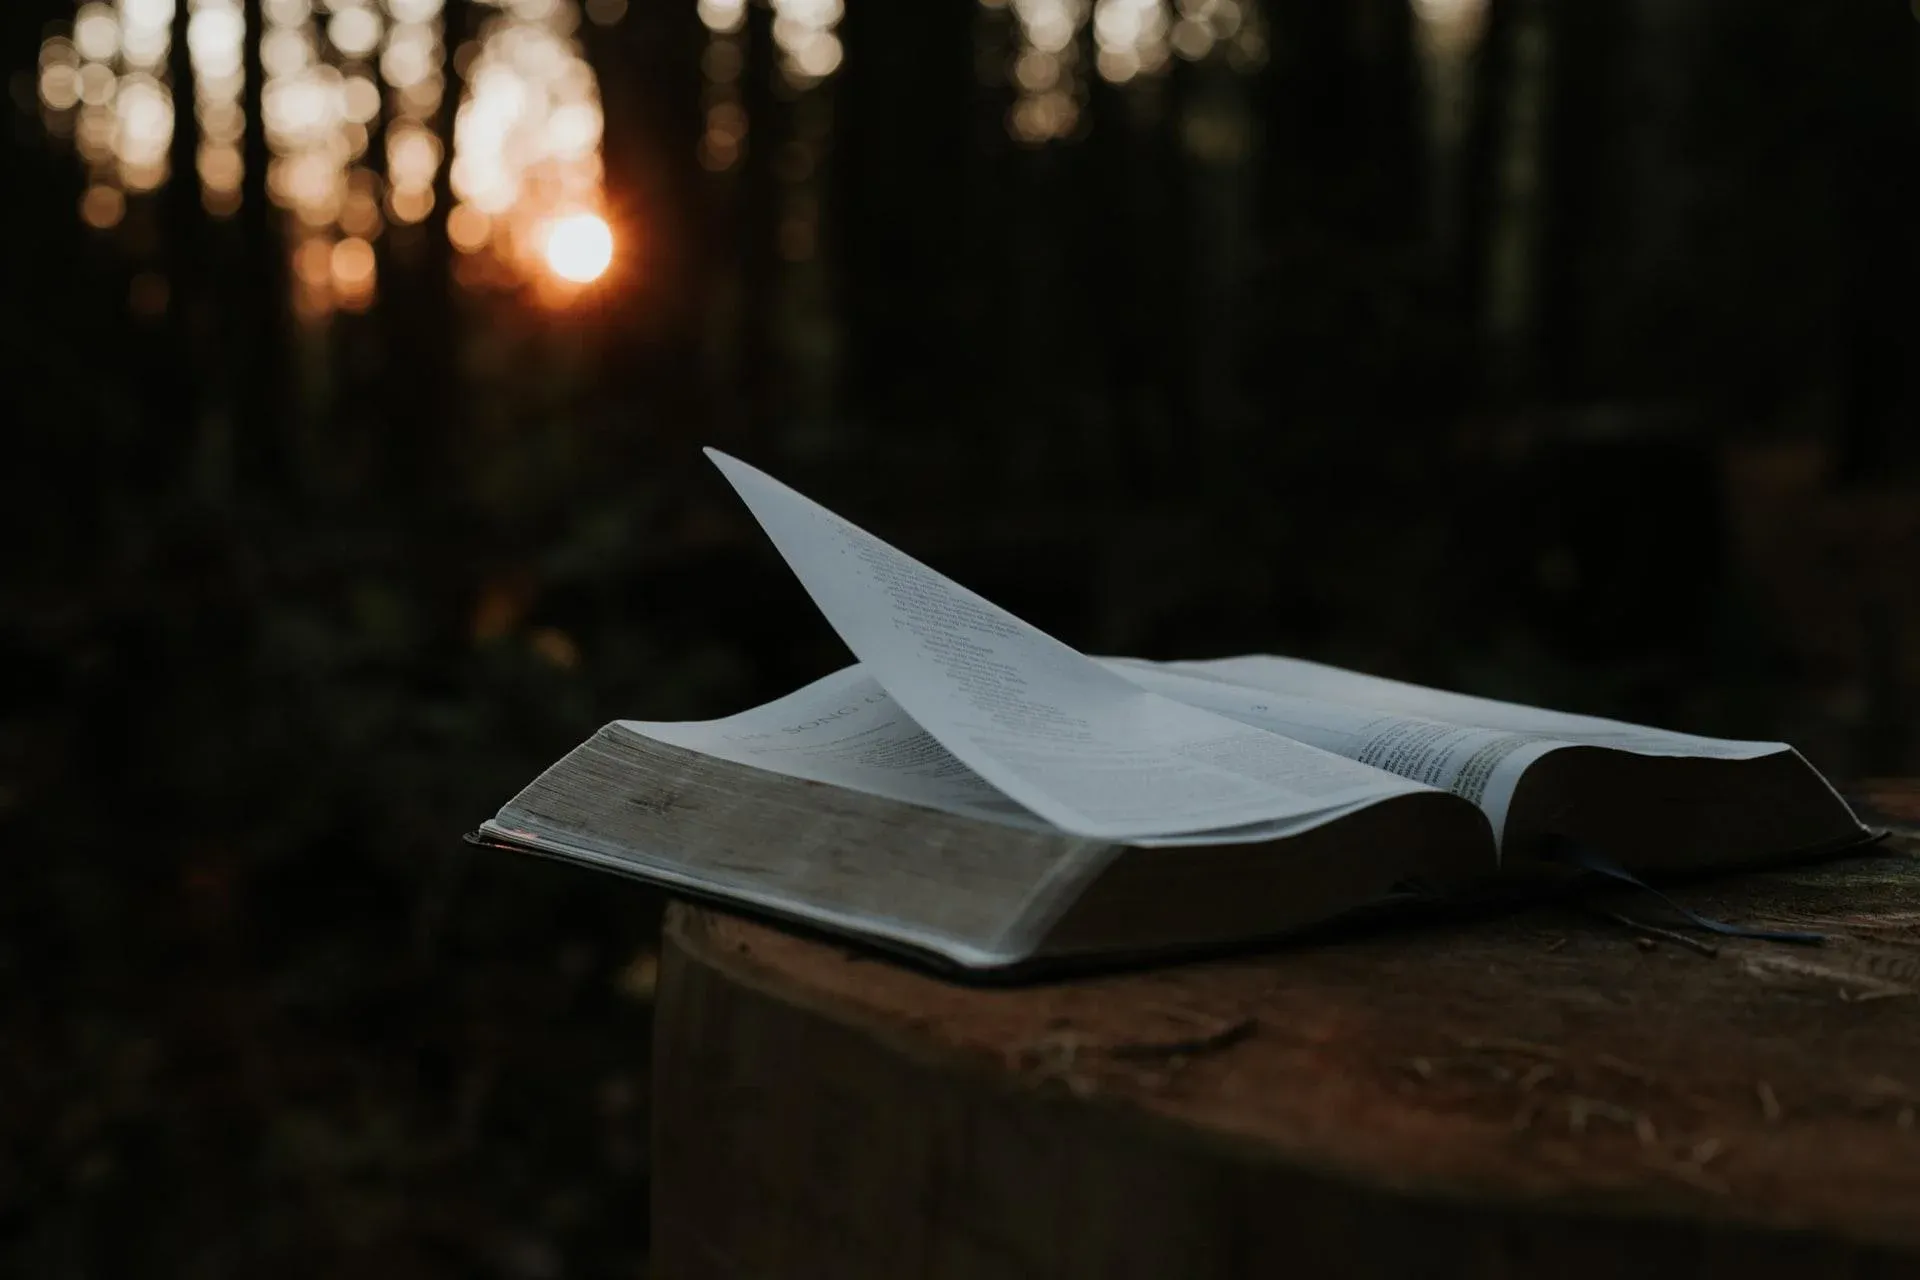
point(579, 248)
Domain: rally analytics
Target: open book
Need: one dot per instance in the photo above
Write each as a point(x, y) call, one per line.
point(979, 793)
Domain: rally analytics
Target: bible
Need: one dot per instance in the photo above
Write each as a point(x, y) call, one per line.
point(979, 794)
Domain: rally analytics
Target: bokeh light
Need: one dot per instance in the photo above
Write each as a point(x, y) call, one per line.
point(725, 17)
point(1450, 26)
point(723, 141)
point(1131, 36)
point(143, 131)
point(94, 135)
point(146, 33)
point(410, 204)
point(526, 153)
point(59, 75)
point(359, 100)
point(352, 263)
point(579, 247)
point(1132, 40)
point(215, 34)
point(103, 207)
point(96, 32)
point(412, 55)
point(468, 228)
point(803, 30)
point(355, 32)
point(98, 84)
point(523, 156)
point(360, 211)
point(1045, 69)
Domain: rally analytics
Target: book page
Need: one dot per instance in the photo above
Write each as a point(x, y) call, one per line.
point(846, 731)
point(1083, 747)
point(1336, 684)
point(1477, 748)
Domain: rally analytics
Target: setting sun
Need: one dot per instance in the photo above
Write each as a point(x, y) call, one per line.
point(579, 248)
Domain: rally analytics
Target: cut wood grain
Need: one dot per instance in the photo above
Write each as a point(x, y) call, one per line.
point(1527, 1094)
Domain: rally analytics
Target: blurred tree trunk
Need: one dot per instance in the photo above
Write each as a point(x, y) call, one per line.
point(1504, 158)
point(759, 226)
point(899, 204)
point(1339, 200)
point(421, 334)
point(436, 257)
point(1880, 194)
point(667, 254)
point(262, 449)
point(1217, 146)
point(420, 409)
point(993, 222)
point(183, 212)
point(185, 247)
point(1134, 266)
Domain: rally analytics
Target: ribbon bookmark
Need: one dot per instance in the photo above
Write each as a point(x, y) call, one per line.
point(1579, 856)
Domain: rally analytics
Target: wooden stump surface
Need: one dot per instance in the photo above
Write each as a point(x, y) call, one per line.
point(1540, 1092)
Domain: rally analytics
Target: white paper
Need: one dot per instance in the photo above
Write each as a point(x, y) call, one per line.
point(1335, 684)
point(846, 731)
point(1083, 747)
point(1477, 748)
point(1480, 765)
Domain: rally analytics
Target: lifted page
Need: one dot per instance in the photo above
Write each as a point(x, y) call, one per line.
point(1076, 743)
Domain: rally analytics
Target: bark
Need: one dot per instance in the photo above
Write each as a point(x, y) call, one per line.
point(1538, 1093)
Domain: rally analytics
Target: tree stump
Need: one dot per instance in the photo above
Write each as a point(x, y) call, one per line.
point(1536, 1093)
